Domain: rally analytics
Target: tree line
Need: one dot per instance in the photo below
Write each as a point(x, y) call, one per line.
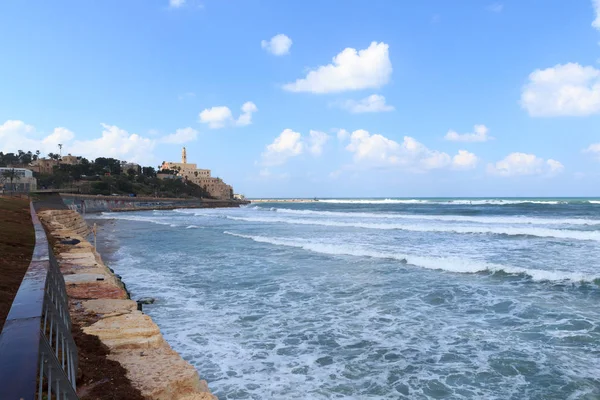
point(104, 176)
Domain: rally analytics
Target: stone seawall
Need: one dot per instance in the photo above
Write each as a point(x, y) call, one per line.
point(94, 204)
point(100, 305)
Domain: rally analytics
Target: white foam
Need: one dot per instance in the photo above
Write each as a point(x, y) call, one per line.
point(134, 218)
point(448, 202)
point(511, 231)
point(451, 264)
point(457, 218)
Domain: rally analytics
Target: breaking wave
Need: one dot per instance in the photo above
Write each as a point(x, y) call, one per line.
point(511, 231)
point(452, 202)
point(457, 218)
point(450, 264)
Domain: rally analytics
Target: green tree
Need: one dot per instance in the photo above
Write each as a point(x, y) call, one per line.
point(10, 175)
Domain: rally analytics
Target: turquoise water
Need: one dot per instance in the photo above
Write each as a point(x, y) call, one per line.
point(375, 298)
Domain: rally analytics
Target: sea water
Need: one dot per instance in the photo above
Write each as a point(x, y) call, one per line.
point(375, 298)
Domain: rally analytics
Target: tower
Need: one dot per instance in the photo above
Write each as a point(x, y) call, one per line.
point(183, 156)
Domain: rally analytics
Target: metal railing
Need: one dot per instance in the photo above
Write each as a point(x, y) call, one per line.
point(38, 357)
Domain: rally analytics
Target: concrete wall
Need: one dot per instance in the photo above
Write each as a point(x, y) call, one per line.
point(92, 204)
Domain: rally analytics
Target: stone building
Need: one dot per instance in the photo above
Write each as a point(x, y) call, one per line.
point(70, 160)
point(126, 166)
point(201, 177)
point(23, 180)
point(43, 165)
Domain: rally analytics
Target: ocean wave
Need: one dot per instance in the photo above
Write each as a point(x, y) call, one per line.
point(474, 202)
point(450, 264)
point(134, 218)
point(511, 231)
point(457, 218)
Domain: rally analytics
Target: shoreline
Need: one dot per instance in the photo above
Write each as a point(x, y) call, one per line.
point(100, 305)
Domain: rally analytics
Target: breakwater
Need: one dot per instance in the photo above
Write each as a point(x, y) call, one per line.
point(93, 204)
point(100, 305)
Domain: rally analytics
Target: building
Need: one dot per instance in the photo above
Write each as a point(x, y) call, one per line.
point(125, 167)
point(239, 197)
point(23, 180)
point(70, 160)
point(43, 165)
point(201, 177)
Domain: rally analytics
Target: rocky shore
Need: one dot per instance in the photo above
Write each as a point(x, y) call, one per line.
point(100, 306)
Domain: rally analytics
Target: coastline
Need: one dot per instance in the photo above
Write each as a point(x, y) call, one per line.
point(101, 306)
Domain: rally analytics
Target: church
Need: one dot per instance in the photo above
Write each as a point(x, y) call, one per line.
point(201, 177)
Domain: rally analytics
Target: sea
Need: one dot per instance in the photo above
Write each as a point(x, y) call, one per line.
point(488, 298)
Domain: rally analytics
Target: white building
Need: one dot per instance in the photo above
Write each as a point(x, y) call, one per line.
point(22, 180)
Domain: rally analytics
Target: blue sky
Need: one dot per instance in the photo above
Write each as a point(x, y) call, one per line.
point(311, 98)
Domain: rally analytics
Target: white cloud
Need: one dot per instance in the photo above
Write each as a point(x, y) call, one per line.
point(496, 7)
point(516, 164)
point(316, 142)
point(342, 134)
point(118, 143)
point(246, 117)
point(288, 144)
point(176, 3)
point(180, 136)
point(596, 5)
point(221, 116)
point(593, 148)
point(373, 103)
point(216, 117)
point(464, 160)
point(480, 135)
point(113, 142)
point(374, 150)
point(279, 45)
point(350, 70)
point(563, 90)
point(17, 135)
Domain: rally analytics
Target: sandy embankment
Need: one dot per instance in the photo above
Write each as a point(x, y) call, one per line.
point(99, 304)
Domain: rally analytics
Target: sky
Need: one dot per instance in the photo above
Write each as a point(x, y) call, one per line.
point(315, 98)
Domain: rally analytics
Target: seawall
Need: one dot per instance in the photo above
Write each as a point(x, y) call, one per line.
point(100, 305)
point(94, 204)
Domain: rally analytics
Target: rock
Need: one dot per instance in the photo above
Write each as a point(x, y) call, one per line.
point(146, 300)
point(95, 290)
point(161, 374)
point(71, 241)
point(133, 330)
point(109, 307)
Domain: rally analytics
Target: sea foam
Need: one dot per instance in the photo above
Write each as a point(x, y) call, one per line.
point(450, 264)
point(511, 231)
point(457, 218)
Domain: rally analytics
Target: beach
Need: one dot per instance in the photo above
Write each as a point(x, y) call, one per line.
point(374, 298)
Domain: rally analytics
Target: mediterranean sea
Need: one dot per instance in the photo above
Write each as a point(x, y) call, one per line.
point(375, 298)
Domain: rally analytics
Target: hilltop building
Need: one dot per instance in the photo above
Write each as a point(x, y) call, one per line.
point(70, 160)
point(126, 166)
point(201, 177)
point(23, 180)
point(43, 165)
